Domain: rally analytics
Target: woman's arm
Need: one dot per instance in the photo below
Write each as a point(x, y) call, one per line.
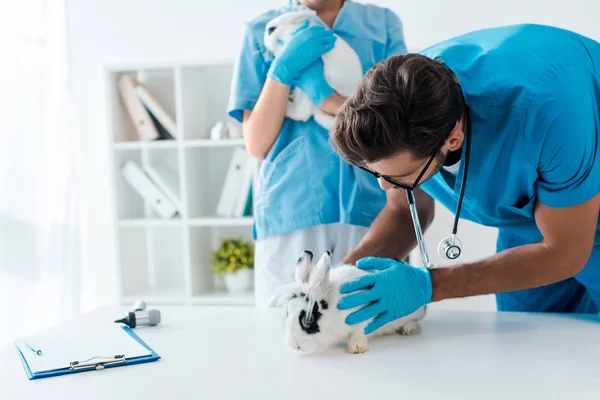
point(262, 125)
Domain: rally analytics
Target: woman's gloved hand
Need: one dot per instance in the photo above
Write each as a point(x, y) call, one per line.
point(302, 48)
point(312, 82)
point(393, 290)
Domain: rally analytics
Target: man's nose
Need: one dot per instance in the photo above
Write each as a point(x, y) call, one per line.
point(385, 185)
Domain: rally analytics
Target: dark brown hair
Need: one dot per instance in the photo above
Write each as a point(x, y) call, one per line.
point(404, 103)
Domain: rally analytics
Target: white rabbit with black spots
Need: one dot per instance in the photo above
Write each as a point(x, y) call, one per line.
point(321, 285)
point(341, 65)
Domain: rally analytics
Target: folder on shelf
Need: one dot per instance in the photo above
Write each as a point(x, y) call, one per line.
point(139, 114)
point(161, 117)
point(236, 194)
point(243, 206)
point(235, 173)
point(68, 349)
point(165, 179)
point(149, 190)
point(151, 120)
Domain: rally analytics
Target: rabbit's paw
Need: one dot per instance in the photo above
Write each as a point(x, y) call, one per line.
point(357, 344)
point(409, 328)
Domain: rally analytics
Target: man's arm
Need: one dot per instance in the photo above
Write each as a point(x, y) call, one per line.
point(392, 233)
point(568, 241)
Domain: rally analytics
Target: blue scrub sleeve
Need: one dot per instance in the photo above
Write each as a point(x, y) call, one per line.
point(565, 113)
point(395, 35)
point(249, 75)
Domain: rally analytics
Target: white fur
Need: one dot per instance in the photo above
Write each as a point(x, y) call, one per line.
point(323, 283)
point(342, 67)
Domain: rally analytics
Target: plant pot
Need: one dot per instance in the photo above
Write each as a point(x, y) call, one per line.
point(240, 281)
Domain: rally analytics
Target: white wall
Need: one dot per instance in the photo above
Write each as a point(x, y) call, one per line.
point(105, 33)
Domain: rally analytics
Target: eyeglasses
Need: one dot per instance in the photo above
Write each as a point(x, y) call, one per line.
point(399, 184)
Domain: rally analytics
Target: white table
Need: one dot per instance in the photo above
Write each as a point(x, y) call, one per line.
point(238, 353)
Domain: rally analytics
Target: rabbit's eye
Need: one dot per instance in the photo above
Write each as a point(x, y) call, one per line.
point(271, 30)
point(310, 326)
point(305, 324)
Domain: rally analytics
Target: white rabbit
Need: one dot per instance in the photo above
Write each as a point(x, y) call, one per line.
point(328, 327)
point(341, 65)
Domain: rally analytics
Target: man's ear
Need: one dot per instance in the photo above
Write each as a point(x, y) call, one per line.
point(303, 267)
point(455, 139)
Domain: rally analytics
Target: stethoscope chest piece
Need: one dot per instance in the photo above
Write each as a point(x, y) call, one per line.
point(450, 248)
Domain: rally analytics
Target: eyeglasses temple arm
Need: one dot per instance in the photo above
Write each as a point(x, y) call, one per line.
point(418, 233)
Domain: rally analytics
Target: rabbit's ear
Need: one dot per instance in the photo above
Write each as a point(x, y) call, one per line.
point(319, 279)
point(303, 267)
point(284, 294)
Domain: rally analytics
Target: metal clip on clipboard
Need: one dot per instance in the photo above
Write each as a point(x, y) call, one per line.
point(97, 362)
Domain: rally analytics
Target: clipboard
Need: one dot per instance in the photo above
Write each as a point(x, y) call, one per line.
point(94, 363)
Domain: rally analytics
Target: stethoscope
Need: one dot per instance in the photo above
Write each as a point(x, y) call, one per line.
point(449, 248)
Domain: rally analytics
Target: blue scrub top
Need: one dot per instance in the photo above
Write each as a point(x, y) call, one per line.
point(302, 182)
point(534, 96)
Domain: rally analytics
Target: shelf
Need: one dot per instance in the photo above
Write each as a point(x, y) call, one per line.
point(157, 144)
point(150, 222)
point(225, 299)
point(169, 144)
point(216, 221)
point(168, 260)
point(213, 143)
point(210, 221)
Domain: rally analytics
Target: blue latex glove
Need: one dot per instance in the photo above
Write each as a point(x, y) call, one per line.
point(313, 83)
point(302, 48)
point(394, 290)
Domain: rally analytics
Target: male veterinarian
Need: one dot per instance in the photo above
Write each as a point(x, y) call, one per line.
point(527, 98)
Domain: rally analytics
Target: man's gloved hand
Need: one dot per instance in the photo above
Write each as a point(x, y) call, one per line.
point(312, 82)
point(393, 290)
point(302, 48)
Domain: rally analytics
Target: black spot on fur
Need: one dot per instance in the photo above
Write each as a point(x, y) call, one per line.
point(302, 295)
point(271, 29)
point(324, 304)
point(328, 252)
point(310, 254)
point(313, 327)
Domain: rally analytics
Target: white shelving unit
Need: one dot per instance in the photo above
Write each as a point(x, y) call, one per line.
point(168, 261)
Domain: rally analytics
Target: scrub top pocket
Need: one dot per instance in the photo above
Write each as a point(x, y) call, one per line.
point(287, 176)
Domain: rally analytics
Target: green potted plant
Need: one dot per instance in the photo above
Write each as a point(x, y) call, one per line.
point(234, 261)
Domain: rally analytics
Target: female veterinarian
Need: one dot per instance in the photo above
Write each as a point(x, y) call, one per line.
point(307, 197)
point(511, 114)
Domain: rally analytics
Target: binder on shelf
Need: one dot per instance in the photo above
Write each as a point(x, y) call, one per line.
point(140, 116)
point(65, 350)
point(151, 120)
point(148, 190)
point(166, 179)
point(156, 110)
point(231, 185)
point(236, 195)
point(243, 206)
